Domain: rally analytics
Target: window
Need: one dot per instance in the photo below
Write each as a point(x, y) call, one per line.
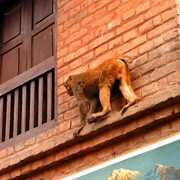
point(27, 67)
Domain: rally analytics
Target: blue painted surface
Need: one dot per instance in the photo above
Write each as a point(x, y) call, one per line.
point(168, 155)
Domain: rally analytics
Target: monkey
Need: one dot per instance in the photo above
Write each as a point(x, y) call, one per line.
point(95, 86)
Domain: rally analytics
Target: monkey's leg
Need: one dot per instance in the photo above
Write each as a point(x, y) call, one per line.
point(104, 95)
point(83, 109)
point(93, 105)
point(128, 93)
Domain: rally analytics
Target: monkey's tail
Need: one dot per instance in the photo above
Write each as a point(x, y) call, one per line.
point(126, 66)
point(124, 61)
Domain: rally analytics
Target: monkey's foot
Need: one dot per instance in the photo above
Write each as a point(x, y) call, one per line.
point(92, 118)
point(77, 132)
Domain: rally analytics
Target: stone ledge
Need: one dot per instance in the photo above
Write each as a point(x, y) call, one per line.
point(66, 140)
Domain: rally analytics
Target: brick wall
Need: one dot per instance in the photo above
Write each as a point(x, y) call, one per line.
point(88, 32)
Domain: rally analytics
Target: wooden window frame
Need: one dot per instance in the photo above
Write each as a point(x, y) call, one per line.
point(24, 78)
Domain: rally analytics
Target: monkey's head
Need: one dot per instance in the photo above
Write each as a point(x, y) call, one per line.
point(68, 84)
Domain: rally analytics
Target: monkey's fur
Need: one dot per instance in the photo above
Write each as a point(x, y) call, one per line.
point(86, 86)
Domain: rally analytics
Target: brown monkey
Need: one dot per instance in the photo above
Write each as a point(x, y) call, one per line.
point(87, 86)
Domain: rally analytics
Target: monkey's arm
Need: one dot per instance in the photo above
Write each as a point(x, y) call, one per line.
point(84, 106)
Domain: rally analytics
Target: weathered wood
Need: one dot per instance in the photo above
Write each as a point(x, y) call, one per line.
point(1, 117)
point(30, 74)
point(24, 102)
point(49, 96)
point(40, 101)
point(32, 100)
point(16, 111)
point(8, 116)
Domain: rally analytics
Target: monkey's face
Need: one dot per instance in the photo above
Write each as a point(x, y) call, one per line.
point(67, 85)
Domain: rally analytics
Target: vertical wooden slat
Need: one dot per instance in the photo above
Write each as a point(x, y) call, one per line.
point(49, 96)
point(1, 117)
point(24, 99)
point(16, 110)
point(8, 116)
point(40, 101)
point(32, 100)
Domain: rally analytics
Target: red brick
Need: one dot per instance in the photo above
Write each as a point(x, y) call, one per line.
point(75, 122)
point(87, 57)
point(172, 13)
point(120, 147)
point(145, 27)
point(163, 83)
point(69, 4)
point(132, 44)
point(160, 61)
point(157, 20)
point(101, 49)
point(19, 146)
point(102, 21)
point(76, 35)
point(171, 34)
point(135, 73)
point(158, 41)
point(174, 78)
point(15, 173)
point(75, 64)
point(130, 127)
point(114, 23)
point(130, 24)
point(163, 113)
point(87, 20)
point(104, 153)
point(146, 47)
point(37, 164)
point(75, 45)
point(148, 67)
point(86, 3)
point(97, 5)
point(101, 12)
point(64, 107)
point(134, 53)
point(102, 39)
point(163, 71)
point(90, 159)
point(88, 37)
point(62, 18)
point(69, 114)
point(146, 120)
point(74, 10)
point(130, 35)
point(63, 70)
point(156, 10)
point(176, 125)
point(140, 60)
point(128, 14)
point(150, 89)
point(77, 163)
point(173, 55)
point(159, 30)
point(65, 126)
point(144, 80)
point(74, 28)
point(152, 134)
point(143, 7)
point(113, 5)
